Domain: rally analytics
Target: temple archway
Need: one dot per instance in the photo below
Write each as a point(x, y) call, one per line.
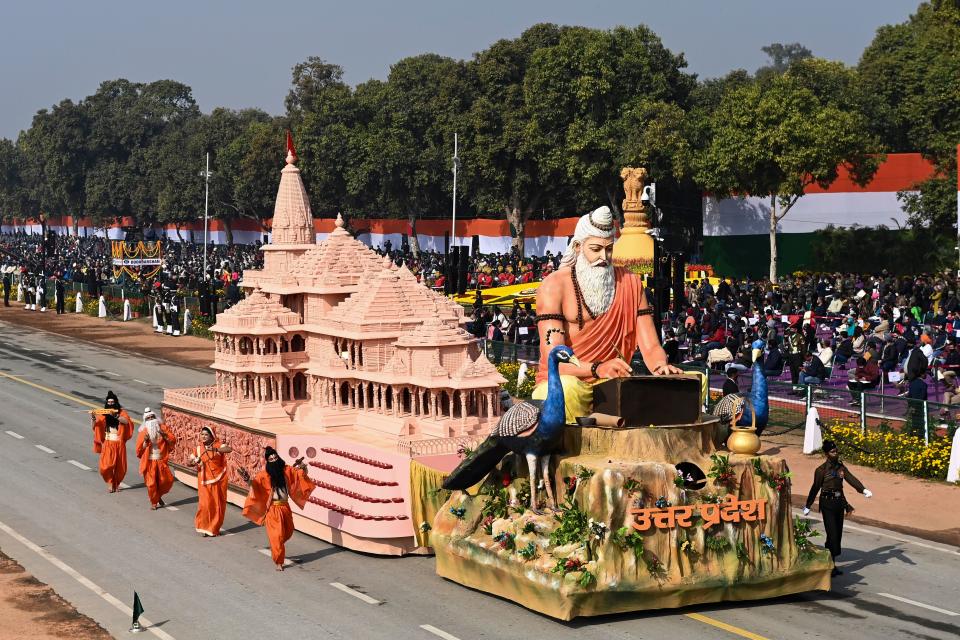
point(299, 387)
point(444, 403)
point(457, 405)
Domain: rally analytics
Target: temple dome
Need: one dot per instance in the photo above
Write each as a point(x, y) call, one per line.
point(389, 300)
point(255, 315)
point(339, 259)
point(433, 332)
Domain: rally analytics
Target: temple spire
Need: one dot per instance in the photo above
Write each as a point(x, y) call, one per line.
point(292, 218)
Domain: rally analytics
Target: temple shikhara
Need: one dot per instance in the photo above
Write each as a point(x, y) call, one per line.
point(341, 357)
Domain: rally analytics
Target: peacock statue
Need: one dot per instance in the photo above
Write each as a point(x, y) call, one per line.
point(531, 429)
point(737, 409)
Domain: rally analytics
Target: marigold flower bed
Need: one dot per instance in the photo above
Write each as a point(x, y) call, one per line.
point(889, 450)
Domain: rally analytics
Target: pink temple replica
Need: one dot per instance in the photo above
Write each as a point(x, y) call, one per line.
point(339, 356)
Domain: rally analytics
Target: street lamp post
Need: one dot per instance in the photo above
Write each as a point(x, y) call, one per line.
point(456, 167)
point(206, 174)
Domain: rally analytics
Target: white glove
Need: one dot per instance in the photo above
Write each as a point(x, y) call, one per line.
point(867, 493)
point(806, 511)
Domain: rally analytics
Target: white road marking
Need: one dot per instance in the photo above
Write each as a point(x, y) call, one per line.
point(15, 435)
point(44, 449)
point(45, 354)
point(354, 593)
point(141, 381)
point(73, 573)
point(848, 527)
point(266, 552)
point(124, 485)
point(173, 508)
point(111, 373)
point(65, 360)
point(919, 604)
point(79, 465)
point(438, 632)
point(86, 366)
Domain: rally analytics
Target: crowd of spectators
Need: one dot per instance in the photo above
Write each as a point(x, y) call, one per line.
point(89, 261)
point(808, 324)
point(882, 328)
point(485, 270)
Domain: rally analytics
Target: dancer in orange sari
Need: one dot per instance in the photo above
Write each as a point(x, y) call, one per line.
point(211, 482)
point(268, 500)
point(154, 442)
point(110, 434)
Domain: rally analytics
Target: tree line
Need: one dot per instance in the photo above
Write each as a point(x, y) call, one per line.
point(545, 122)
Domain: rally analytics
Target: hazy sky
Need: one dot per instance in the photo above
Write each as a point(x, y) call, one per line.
point(239, 53)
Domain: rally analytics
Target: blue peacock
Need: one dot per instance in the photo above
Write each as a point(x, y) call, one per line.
point(737, 409)
point(532, 429)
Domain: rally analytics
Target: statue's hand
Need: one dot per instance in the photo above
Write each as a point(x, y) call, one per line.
point(666, 369)
point(615, 368)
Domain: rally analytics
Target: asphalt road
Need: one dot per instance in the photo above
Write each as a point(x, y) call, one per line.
point(95, 549)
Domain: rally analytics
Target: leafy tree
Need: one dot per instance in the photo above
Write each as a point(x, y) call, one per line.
point(55, 159)
point(777, 139)
point(246, 155)
point(126, 118)
point(782, 56)
point(932, 211)
point(323, 115)
point(404, 152)
point(501, 165)
point(14, 195)
point(910, 71)
point(588, 91)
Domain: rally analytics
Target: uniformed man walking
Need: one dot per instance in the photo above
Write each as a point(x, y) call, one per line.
point(828, 482)
point(7, 282)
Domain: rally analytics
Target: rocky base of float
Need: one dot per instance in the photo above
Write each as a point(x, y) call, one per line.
point(588, 558)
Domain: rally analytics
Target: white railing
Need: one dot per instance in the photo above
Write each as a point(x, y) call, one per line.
point(199, 399)
point(414, 447)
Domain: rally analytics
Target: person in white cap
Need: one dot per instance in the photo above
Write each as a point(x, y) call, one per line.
point(154, 442)
point(598, 310)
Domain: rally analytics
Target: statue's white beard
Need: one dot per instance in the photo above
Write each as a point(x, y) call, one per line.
point(597, 284)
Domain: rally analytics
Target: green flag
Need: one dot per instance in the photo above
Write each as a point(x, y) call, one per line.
point(137, 608)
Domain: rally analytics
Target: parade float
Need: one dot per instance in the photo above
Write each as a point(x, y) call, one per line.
point(651, 512)
point(340, 357)
point(651, 515)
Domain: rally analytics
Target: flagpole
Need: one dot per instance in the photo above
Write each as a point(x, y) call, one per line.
point(206, 211)
point(137, 612)
point(456, 166)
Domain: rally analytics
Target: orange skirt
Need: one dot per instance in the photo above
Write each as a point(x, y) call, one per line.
point(159, 480)
point(211, 507)
point(113, 462)
point(279, 522)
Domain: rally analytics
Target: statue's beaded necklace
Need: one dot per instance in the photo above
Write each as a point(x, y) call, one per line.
point(581, 303)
